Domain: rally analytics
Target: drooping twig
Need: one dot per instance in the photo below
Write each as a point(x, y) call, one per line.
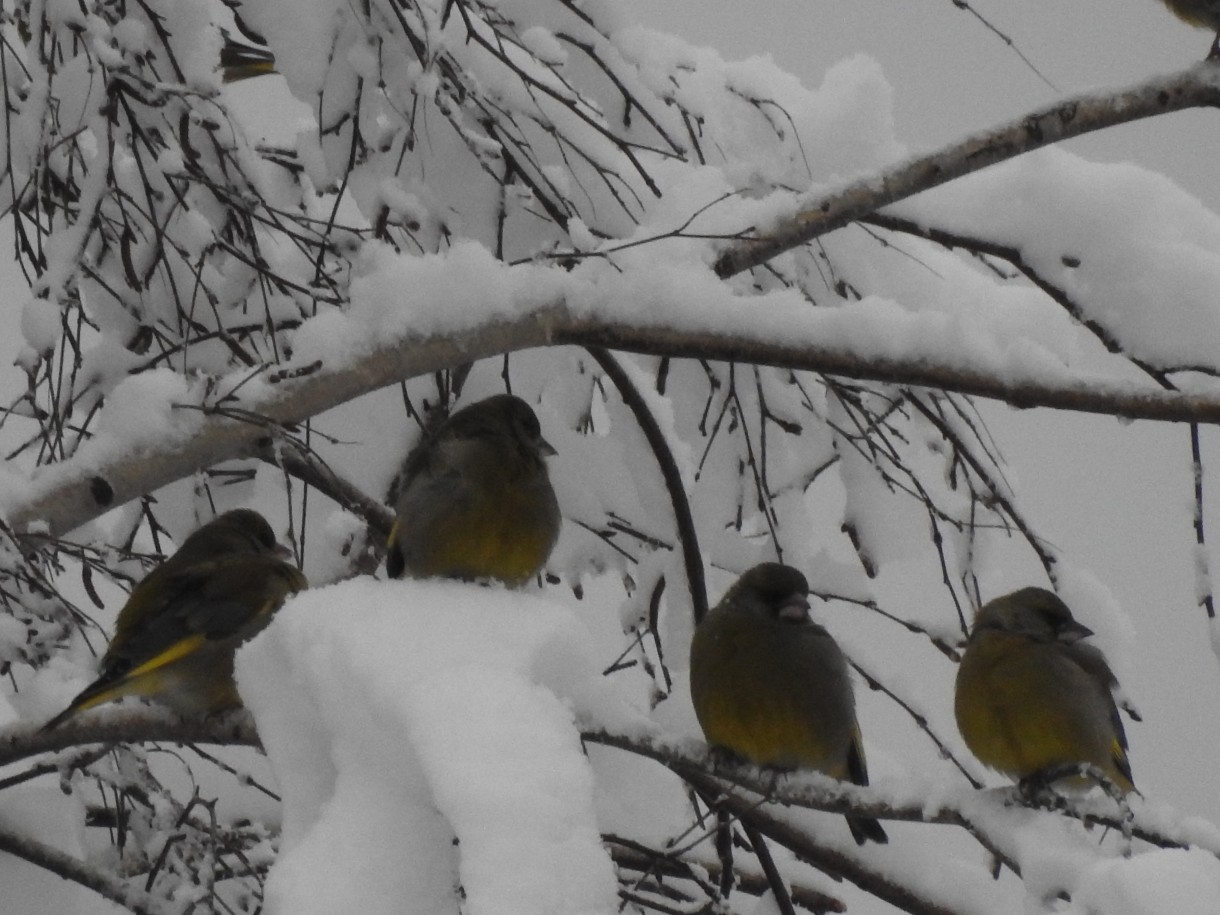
point(630, 855)
point(692, 559)
point(824, 858)
point(1202, 573)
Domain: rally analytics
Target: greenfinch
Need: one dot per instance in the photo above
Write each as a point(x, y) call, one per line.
point(175, 637)
point(772, 686)
point(476, 500)
point(1030, 696)
point(242, 60)
point(1202, 13)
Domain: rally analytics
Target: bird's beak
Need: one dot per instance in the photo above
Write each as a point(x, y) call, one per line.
point(1073, 632)
point(794, 609)
point(282, 552)
point(546, 448)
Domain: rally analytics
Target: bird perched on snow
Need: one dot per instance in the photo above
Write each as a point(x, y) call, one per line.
point(772, 686)
point(1031, 696)
point(175, 637)
point(476, 500)
point(1202, 13)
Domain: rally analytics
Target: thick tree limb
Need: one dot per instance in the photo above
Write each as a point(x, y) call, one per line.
point(67, 495)
point(1197, 86)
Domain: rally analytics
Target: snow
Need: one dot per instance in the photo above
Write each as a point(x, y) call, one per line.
point(1116, 221)
point(423, 737)
point(1183, 881)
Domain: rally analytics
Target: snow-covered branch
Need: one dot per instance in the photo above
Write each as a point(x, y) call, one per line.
point(140, 724)
point(981, 812)
point(77, 490)
point(1195, 87)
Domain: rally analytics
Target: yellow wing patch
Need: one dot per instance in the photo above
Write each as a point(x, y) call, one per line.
point(179, 649)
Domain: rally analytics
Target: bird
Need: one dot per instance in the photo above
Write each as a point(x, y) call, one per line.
point(176, 635)
point(1204, 14)
point(476, 500)
point(244, 60)
point(1031, 696)
point(771, 686)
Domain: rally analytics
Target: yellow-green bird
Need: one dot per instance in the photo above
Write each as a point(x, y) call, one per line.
point(772, 686)
point(243, 60)
point(476, 500)
point(1031, 696)
point(1204, 14)
point(175, 637)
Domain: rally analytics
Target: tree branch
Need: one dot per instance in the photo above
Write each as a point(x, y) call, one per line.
point(629, 856)
point(127, 724)
point(690, 761)
point(1197, 86)
point(800, 842)
point(818, 792)
point(148, 723)
point(66, 495)
point(688, 536)
point(63, 865)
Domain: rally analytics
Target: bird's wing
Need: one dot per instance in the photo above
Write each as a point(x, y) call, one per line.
point(1091, 660)
point(1094, 663)
point(206, 602)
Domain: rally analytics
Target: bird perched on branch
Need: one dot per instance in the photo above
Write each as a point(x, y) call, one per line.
point(175, 637)
point(772, 686)
point(1202, 13)
point(476, 500)
point(1032, 697)
point(244, 60)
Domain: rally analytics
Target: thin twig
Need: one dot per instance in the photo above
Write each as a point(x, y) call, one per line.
point(688, 536)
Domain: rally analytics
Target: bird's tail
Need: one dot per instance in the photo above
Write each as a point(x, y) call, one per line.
point(240, 60)
point(866, 829)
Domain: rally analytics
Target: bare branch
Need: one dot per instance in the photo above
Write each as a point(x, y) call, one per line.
point(629, 855)
point(127, 724)
point(100, 881)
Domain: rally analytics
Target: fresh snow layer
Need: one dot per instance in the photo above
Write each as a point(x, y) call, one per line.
point(426, 750)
